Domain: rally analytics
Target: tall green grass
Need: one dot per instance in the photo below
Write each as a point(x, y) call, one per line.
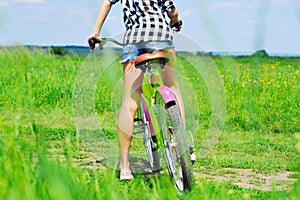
point(262, 105)
point(261, 93)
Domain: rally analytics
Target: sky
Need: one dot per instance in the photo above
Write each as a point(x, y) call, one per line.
point(215, 25)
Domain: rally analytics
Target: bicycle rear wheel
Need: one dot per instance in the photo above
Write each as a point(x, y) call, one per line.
point(150, 141)
point(177, 154)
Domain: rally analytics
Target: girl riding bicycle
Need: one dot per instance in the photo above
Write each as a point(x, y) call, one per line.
point(147, 30)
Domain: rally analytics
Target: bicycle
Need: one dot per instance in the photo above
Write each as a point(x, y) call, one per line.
point(159, 120)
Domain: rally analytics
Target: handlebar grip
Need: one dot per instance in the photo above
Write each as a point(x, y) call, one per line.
point(177, 25)
point(92, 42)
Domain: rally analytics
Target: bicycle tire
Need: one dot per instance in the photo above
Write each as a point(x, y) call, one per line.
point(150, 143)
point(177, 154)
point(183, 153)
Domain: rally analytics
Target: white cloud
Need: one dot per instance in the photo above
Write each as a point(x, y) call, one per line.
point(3, 4)
point(195, 13)
point(29, 1)
point(281, 29)
point(186, 13)
point(265, 20)
point(258, 4)
point(289, 3)
point(229, 5)
point(113, 18)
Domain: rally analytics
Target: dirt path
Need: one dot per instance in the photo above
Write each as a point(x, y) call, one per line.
point(244, 178)
point(248, 178)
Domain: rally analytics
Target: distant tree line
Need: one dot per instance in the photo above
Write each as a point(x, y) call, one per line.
point(259, 53)
point(58, 51)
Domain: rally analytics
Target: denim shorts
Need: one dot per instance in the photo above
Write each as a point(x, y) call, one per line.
point(133, 50)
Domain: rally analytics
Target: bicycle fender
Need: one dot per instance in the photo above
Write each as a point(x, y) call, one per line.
point(167, 94)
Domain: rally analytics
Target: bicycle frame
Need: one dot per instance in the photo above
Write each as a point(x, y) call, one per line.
point(152, 85)
point(165, 92)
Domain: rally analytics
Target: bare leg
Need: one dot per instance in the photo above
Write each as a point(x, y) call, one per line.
point(132, 85)
point(170, 80)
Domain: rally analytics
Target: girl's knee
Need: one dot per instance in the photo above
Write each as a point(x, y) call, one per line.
point(130, 107)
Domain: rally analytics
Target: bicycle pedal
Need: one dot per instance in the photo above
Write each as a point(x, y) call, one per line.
point(138, 131)
point(138, 128)
point(171, 129)
point(154, 146)
point(137, 119)
point(142, 125)
point(173, 144)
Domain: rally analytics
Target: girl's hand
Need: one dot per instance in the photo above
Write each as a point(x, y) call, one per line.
point(176, 25)
point(93, 40)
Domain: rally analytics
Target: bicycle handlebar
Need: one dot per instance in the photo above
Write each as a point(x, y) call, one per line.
point(93, 41)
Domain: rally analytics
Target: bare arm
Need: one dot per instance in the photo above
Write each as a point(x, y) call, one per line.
point(173, 15)
point(102, 14)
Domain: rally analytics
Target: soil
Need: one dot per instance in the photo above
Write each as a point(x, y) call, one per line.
point(244, 178)
point(248, 178)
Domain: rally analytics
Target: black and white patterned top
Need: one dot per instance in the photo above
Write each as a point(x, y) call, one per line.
point(146, 20)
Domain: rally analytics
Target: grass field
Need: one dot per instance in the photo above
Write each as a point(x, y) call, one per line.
point(42, 155)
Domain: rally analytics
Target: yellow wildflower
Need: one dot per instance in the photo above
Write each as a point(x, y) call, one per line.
point(298, 147)
point(297, 136)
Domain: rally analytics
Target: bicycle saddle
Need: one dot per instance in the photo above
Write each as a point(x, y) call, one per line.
point(146, 57)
